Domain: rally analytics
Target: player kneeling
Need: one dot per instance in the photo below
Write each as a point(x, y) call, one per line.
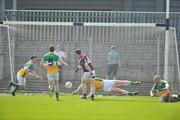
point(161, 88)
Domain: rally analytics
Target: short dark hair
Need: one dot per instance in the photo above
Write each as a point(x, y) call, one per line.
point(51, 48)
point(32, 57)
point(78, 51)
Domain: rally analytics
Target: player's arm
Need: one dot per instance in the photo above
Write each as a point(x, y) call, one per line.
point(35, 75)
point(153, 92)
point(78, 68)
point(78, 89)
point(26, 69)
point(63, 62)
point(87, 67)
point(43, 64)
point(166, 84)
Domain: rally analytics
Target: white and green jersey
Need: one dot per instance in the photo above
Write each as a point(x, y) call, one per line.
point(160, 86)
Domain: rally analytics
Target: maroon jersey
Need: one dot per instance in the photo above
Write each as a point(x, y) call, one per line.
point(85, 59)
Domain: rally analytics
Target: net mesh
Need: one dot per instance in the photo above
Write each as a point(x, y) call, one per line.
point(141, 49)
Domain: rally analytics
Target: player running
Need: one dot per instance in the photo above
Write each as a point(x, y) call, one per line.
point(112, 86)
point(161, 88)
point(23, 73)
point(50, 62)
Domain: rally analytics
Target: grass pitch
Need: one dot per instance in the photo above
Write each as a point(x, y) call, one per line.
point(71, 107)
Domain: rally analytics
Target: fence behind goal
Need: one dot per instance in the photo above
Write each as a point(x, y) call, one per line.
point(141, 49)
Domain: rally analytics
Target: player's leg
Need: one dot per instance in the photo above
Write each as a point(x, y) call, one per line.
point(57, 90)
point(173, 98)
point(84, 96)
point(86, 76)
point(20, 85)
point(78, 89)
point(169, 98)
point(165, 98)
point(114, 71)
point(109, 70)
point(92, 86)
point(109, 86)
point(60, 73)
point(51, 84)
point(56, 81)
point(92, 89)
point(124, 92)
point(120, 83)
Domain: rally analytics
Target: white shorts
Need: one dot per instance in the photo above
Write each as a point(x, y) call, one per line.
point(53, 76)
point(21, 80)
point(87, 76)
point(108, 84)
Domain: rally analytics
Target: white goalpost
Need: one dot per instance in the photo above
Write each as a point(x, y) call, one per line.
point(10, 52)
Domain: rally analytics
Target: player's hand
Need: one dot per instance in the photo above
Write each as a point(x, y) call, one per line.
point(45, 65)
point(92, 75)
point(151, 94)
point(77, 69)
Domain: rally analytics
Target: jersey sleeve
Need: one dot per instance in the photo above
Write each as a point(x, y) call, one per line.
point(82, 61)
point(44, 58)
point(154, 88)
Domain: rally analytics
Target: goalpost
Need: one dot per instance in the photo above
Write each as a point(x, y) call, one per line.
point(141, 46)
point(10, 51)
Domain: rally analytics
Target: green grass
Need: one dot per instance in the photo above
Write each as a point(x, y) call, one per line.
point(41, 107)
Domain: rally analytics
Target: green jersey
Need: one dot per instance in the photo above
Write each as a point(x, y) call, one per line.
point(52, 60)
point(22, 71)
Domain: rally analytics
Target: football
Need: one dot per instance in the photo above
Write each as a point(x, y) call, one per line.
point(68, 85)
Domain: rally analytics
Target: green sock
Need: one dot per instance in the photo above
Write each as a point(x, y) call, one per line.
point(135, 83)
point(14, 84)
point(57, 95)
point(130, 93)
point(16, 88)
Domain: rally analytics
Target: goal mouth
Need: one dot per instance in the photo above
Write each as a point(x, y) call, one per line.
point(141, 45)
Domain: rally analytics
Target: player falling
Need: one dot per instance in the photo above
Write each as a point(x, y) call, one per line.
point(23, 73)
point(112, 86)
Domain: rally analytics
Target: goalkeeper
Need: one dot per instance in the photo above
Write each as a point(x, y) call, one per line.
point(112, 86)
point(23, 73)
point(161, 88)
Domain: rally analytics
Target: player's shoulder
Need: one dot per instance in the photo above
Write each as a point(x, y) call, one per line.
point(164, 81)
point(45, 54)
point(28, 64)
point(55, 56)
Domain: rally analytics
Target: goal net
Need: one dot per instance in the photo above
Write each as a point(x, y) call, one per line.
point(140, 45)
